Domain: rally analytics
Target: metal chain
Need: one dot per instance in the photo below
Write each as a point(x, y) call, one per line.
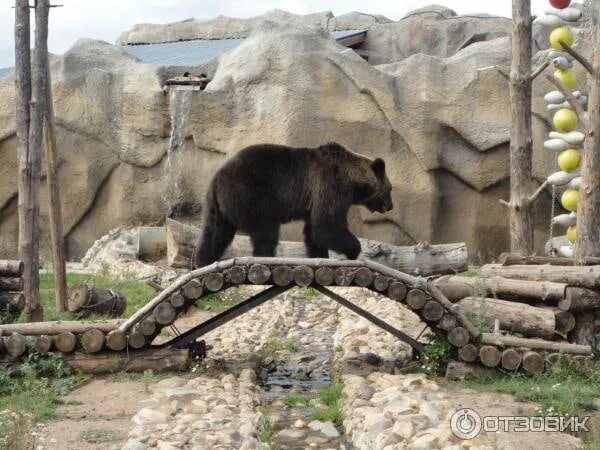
point(553, 251)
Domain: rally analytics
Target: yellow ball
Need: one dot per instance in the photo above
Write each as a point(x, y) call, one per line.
point(567, 76)
point(572, 234)
point(565, 120)
point(561, 34)
point(570, 199)
point(569, 160)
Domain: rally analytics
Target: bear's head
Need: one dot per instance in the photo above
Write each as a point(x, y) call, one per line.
point(374, 190)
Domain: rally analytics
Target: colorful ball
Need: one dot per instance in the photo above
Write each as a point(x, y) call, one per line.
point(565, 120)
point(561, 34)
point(572, 234)
point(560, 4)
point(569, 160)
point(570, 199)
point(567, 76)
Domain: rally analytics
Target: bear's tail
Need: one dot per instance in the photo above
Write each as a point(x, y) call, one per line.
point(217, 233)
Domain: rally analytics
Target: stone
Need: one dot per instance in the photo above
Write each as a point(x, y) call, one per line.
point(299, 423)
point(149, 416)
point(197, 406)
point(291, 434)
point(327, 428)
point(133, 444)
point(424, 442)
point(248, 376)
point(403, 428)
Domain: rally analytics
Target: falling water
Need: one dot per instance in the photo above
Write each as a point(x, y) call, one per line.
point(179, 107)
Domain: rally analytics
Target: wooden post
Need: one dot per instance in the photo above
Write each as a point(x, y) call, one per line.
point(54, 205)
point(588, 219)
point(521, 223)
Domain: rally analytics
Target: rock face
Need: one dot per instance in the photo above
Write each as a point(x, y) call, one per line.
point(441, 126)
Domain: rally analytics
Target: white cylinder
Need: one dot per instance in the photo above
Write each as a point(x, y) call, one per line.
point(566, 251)
point(575, 183)
point(573, 137)
point(564, 220)
point(556, 145)
point(561, 178)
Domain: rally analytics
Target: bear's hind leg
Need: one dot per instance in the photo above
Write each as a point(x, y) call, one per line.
point(265, 239)
point(313, 250)
point(336, 238)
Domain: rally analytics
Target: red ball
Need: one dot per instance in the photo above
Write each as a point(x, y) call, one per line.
point(560, 4)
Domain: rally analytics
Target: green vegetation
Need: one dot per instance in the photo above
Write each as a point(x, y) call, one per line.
point(220, 301)
point(438, 352)
point(265, 430)
point(330, 397)
point(293, 400)
point(137, 292)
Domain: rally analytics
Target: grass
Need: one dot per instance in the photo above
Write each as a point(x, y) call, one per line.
point(266, 431)
point(564, 389)
point(220, 301)
point(330, 397)
point(293, 400)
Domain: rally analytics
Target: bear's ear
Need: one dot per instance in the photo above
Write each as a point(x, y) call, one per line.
point(378, 166)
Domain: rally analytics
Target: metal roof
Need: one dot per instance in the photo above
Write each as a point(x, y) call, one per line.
point(198, 51)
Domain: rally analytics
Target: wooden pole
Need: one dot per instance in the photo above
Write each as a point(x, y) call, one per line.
point(521, 223)
point(588, 218)
point(54, 205)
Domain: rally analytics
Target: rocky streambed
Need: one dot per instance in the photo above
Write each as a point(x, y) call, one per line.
point(301, 372)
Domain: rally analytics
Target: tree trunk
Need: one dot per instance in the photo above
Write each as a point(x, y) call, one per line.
point(11, 284)
point(515, 317)
point(456, 287)
point(85, 299)
point(588, 218)
point(521, 223)
point(583, 333)
point(12, 302)
point(509, 259)
point(580, 276)
point(10, 268)
point(54, 204)
point(421, 259)
point(539, 344)
point(57, 327)
point(580, 299)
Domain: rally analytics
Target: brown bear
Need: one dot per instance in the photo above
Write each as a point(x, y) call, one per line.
point(266, 185)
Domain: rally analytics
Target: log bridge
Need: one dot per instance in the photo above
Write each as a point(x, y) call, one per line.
point(111, 345)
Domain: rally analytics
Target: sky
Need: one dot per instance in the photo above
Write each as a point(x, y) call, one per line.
point(106, 19)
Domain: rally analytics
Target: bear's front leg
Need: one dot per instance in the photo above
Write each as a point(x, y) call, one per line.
point(336, 238)
point(313, 250)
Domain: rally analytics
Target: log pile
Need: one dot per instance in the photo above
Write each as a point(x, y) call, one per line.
point(12, 300)
point(85, 299)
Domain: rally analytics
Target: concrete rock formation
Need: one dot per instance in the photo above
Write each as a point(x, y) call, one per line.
point(441, 125)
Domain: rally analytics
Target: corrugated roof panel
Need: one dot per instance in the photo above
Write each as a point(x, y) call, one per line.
point(198, 51)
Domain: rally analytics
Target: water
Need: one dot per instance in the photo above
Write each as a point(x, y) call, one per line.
point(179, 107)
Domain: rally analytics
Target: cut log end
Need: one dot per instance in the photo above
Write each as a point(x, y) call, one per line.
point(164, 314)
point(397, 291)
point(214, 282)
point(416, 299)
point(192, 290)
point(511, 359)
point(259, 274)
point(65, 342)
point(381, 283)
point(303, 275)
point(489, 356)
point(533, 362)
point(459, 337)
point(116, 340)
point(324, 276)
point(344, 276)
point(432, 311)
point(15, 344)
point(282, 275)
point(92, 341)
point(468, 353)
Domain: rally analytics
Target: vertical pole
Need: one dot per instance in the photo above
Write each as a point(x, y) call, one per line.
point(588, 211)
point(521, 224)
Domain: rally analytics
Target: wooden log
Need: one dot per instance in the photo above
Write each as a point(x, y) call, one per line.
point(511, 359)
point(192, 290)
point(156, 360)
point(447, 322)
point(458, 371)
point(42, 344)
point(324, 276)
point(422, 259)
point(235, 275)
point(259, 274)
point(489, 355)
point(583, 333)
point(343, 276)
point(432, 311)
point(15, 344)
point(416, 299)
point(381, 283)
point(580, 276)
point(516, 317)
point(59, 326)
point(553, 358)
point(214, 282)
point(510, 259)
point(10, 268)
point(136, 340)
point(584, 361)
point(164, 314)
point(177, 300)
point(116, 340)
point(146, 327)
point(565, 321)
point(397, 291)
point(437, 294)
point(65, 341)
point(303, 275)
point(282, 275)
point(468, 353)
point(85, 299)
point(537, 344)
point(92, 340)
point(459, 337)
point(457, 287)
point(533, 362)
point(363, 277)
point(580, 299)
point(14, 284)
point(12, 302)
